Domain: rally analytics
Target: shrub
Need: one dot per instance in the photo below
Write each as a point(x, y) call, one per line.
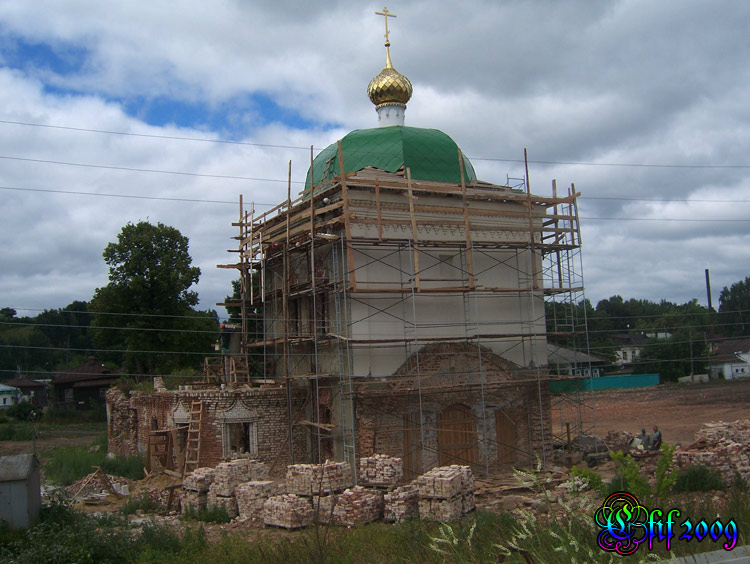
point(65, 536)
point(213, 514)
point(140, 503)
point(20, 411)
point(629, 477)
point(12, 432)
point(698, 479)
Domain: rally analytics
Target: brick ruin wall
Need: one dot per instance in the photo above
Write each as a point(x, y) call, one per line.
point(131, 419)
point(381, 422)
point(452, 369)
point(449, 376)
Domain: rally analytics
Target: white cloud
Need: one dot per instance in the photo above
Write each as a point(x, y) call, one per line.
point(597, 83)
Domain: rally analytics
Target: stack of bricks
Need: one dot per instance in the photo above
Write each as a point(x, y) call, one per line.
point(229, 475)
point(317, 479)
point(195, 488)
point(251, 496)
point(446, 493)
point(381, 470)
point(288, 511)
point(323, 506)
point(358, 505)
point(468, 502)
point(401, 503)
point(228, 502)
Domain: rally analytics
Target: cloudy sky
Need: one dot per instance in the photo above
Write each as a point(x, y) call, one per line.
point(119, 111)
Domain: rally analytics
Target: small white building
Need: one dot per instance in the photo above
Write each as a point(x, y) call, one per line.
point(730, 358)
point(629, 348)
point(9, 396)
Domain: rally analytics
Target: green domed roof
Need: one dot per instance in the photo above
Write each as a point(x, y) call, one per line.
point(429, 153)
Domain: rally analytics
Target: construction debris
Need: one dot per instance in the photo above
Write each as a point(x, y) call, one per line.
point(723, 446)
point(98, 485)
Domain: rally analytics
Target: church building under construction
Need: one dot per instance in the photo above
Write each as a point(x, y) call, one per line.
point(396, 306)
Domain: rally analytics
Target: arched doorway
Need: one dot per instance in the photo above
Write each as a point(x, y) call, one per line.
point(457, 435)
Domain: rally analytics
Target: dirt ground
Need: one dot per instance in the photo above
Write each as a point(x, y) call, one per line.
point(678, 410)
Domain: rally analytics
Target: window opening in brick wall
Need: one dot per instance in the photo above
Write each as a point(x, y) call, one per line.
point(240, 438)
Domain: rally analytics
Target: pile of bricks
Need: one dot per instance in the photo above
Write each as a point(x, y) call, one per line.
point(229, 475)
point(724, 446)
point(199, 480)
point(323, 508)
point(251, 496)
point(358, 505)
point(401, 503)
point(381, 470)
point(195, 488)
point(737, 431)
point(728, 457)
point(287, 511)
point(309, 479)
point(446, 493)
point(228, 502)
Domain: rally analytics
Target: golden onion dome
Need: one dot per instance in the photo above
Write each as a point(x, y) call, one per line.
point(389, 87)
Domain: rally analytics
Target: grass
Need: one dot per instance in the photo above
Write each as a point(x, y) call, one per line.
point(68, 464)
point(14, 431)
point(141, 503)
point(66, 536)
point(214, 514)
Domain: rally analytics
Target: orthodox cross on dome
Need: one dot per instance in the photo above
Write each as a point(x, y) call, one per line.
point(389, 90)
point(386, 14)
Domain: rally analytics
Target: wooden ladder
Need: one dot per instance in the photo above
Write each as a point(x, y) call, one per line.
point(239, 371)
point(193, 444)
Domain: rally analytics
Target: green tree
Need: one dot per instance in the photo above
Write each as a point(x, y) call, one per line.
point(7, 313)
point(682, 354)
point(734, 309)
point(145, 314)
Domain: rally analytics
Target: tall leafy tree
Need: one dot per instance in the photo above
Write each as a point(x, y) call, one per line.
point(145, 314)
point(734, 309)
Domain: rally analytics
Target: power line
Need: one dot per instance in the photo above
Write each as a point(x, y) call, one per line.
point(247, 143)
point(133, 169)
point(144, 329)
point(130, 196)
point(153, 135)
